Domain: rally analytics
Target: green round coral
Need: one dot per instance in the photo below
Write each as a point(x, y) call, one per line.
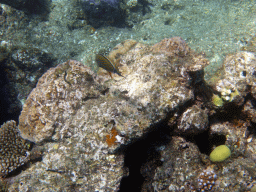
point(220, 153)
point(217, 101)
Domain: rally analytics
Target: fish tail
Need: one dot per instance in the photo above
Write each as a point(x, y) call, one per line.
point(120, 74)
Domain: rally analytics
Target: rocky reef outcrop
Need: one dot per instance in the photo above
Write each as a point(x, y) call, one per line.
point(157, 124)
point(103, 12)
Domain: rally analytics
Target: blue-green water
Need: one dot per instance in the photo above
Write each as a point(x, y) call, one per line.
point(215, 27)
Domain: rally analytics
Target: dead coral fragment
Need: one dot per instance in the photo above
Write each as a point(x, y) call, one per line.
point(13, 149)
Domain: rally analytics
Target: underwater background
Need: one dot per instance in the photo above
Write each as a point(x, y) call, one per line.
point(71, 29)
point(204, 101)
point(58, 30)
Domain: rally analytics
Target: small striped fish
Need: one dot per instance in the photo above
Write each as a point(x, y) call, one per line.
point(106, 64)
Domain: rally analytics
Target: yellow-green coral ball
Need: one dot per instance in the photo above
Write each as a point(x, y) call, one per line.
point(217, 101)
point(220, 153)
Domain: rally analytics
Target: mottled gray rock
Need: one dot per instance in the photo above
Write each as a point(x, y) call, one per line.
point(235, 133)
point(185, 169)
point(237, 79)
point(157, 82)
point(181, 166)
point(232, 124)
point(236, 175)
point(249, 110)
point(251, 147)
point(193, 121)
point(67, 106)
point(31, 59)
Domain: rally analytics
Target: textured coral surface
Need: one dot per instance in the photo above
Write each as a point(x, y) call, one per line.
point(160, 116)
point(59, 94)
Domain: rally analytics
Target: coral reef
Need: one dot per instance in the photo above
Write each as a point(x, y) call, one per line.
point(14, 149)
point(163, 86)
point(233, 126)
point(143, 69)
point(87, 122)
point(93, 117)
point(205, 182)
point(53, 100)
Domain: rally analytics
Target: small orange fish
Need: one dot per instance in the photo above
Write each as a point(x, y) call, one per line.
point(106, 64)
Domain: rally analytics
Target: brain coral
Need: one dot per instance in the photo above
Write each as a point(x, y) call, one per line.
point(60, 92)
point(13, 149)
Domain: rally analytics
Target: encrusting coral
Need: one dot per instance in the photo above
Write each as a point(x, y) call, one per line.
point(13, 149)
point(59, 94)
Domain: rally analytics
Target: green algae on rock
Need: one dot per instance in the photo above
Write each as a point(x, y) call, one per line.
point(14, 150)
